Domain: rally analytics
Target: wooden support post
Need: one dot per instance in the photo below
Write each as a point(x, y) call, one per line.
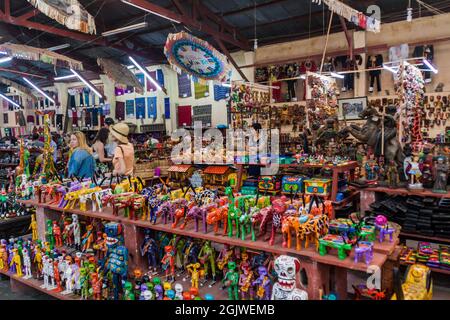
point(233, 62)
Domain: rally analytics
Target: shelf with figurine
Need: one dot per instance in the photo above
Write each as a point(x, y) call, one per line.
point(192, 213)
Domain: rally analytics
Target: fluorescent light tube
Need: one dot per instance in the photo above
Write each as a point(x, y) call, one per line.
point(6, 59)
point(38, 90)
point(9, 100)
point(226, 85)
point(153, 12)
point(70, 76)
point(60, 47)
point(429, 65)
point(389, 68)
point(144, 71)
point(86, 83)
point(131, 67)
point(337, 75)
point(125, 29)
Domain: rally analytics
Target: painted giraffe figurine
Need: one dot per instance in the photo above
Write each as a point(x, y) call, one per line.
point(233, 212)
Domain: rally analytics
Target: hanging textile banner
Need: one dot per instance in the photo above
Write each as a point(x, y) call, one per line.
point(129, 108)
point(120, 74)
point(20, 51)
point(152, 107)
point(69, 13)
point(196, 57)
point(140, 108)
point(352, 15)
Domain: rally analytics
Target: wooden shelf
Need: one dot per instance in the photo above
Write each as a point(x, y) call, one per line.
point(9, 164)
point(433, 269)
point(259, 245)
point(406, 192)
point(36, 284)
point(412, 236)
point(9, 150)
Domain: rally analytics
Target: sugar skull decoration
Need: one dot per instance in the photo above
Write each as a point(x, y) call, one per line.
point(286, 268)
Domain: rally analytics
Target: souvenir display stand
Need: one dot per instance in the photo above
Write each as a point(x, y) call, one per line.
point(318, 269)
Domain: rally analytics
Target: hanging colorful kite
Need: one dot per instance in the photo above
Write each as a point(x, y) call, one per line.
point(69, 13)
point(197, 58)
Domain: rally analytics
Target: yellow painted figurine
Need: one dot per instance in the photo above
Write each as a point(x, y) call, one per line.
point(33, 227)
point(17, 261)
point(3, 257)
point(38, 259)
point(417, 286)
point(195, 273)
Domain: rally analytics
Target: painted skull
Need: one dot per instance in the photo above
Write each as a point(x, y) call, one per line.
point(286, 268)
point(113, 231)
point(148, 295)
point(178, 288)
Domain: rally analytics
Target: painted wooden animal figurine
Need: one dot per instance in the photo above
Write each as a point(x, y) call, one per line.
point(364, 249)
point(217, 216)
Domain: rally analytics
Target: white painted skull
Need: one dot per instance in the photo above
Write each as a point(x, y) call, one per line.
point(286, 268)
point(178, 288)
point(148, 295)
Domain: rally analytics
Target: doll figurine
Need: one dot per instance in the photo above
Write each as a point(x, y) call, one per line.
point(16, 260)
point(194, 272)
point(168, 263)
point(38, 260)
point(392, 174)
point(26, 263)
point(75, 231)
point(371, 169)
point(3, 256)
point(414, 171)
point(67, 239)
point(68, 276)
point(262, 284)
point(33, 228)
point(57, 276)
point(96, 285)
point(441, 175)
point(286, 268)
point(45, 272)
point(150, 248)
point(245, 282)
point(231, 280)
point(206, 257)
point(57, 234)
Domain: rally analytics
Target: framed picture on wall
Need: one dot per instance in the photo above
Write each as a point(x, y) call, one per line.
point(350, 108)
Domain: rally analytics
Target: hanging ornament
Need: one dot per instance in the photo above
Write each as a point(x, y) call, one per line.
point(69, 13)
point(196, 57)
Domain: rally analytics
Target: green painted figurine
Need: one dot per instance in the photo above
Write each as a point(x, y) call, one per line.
point(207, 258)
point(231, 280)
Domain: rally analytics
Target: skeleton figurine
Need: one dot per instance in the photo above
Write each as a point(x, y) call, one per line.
point(68, 276)
point(75, 228)
point(150, 248)
point(286, 268)
point(45, 271)
point(26, 263)
point(51, 274)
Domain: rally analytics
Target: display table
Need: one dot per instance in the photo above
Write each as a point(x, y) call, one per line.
point(318, 268)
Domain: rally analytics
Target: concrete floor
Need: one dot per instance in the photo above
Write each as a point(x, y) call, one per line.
point(7, 294)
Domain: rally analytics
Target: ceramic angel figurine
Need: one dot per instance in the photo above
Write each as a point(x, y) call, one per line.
point(414, 171)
